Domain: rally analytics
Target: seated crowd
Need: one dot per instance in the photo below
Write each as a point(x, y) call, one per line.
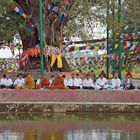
point(61, 82)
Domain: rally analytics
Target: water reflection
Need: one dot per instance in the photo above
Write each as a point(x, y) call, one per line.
point(9, 135)
point(94, 135)
point(70, 127)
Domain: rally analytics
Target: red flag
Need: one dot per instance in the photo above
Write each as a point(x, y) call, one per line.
point(138, 48)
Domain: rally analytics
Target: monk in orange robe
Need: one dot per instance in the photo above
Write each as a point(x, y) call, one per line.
point(103, 73)
point(43, 82)
point(29, 82)
point(58, 83)
point(129, 73)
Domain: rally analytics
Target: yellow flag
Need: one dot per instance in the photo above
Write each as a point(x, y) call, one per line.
point(59, 61)
point(116, 46)
point(135, 43)
point(133, 34)
point(24, 15)
point(53, 60)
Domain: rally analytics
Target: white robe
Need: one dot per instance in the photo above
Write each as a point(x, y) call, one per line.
point(19, 82)
point(80, 82)
point(88, 83)
point(8, 82)
point(101, 83)
point(2, 81)
point(66, 83)
point(116, 83)
point(51, 81)
point(74, 82)
point(38, 82)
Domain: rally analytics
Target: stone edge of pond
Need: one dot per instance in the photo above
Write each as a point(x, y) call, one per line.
point(64, 107)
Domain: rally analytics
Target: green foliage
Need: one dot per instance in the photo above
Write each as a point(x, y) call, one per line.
point(83, 16)
point(10, 22)
point(131, 12)
point(93, 13)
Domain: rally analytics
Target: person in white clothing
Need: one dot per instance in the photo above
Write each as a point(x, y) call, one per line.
point(2, 81)
point(88, 82)
point(128, 83)
point(19, 82)
point(8, 82)
point(101, 83)
point(79, 80)
point(116, 82)
point(38, 82)
point(51, 80)
point(73, 83)
point(65, 81)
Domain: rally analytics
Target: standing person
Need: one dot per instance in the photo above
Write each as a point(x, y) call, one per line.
point(116, 82)
point(51, 80)
point(65, 81)
point(101, 83)
point(2, 81)
point(79, 80)
point(73, 83)
point(127, 83)
point(8, 82)
point(19, 82)
point(88, 82)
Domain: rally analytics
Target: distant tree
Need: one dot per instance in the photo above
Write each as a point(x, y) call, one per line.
point(131, 15)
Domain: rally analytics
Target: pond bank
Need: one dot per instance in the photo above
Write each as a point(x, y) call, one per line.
point(69, 101)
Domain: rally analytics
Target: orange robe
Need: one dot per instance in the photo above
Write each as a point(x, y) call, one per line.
point(45, 83)
point(58, 83)
point(104, 75)
point(129, 73)
point(29, 82)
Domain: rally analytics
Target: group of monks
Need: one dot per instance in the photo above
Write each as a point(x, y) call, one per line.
point(27, 82)
point(61, 82)
point(54, 83)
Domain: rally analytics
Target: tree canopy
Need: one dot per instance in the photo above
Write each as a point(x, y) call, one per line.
point(82, 16)
point(10, 23)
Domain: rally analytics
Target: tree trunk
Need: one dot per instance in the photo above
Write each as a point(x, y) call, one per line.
point(30, 41)
point(52, 28)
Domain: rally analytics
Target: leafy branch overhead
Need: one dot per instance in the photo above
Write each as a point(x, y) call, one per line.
point(10, 23)
point(82, 16)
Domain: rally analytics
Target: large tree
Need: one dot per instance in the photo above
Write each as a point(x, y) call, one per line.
point(79, 13)
point(56, 15)
point(63, 18)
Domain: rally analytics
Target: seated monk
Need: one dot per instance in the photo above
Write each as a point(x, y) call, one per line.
point(43, 82)
point(58, 83)
point(129, 73)
point(103, 73)
point(29, 82)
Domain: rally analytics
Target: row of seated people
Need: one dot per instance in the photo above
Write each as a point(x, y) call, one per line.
point(101, 83)
point(27, 82)
point(20, 82)
point(60, 82)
